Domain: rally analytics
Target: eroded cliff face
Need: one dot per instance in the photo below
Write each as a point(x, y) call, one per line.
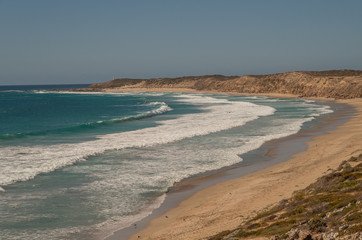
point(330, 84)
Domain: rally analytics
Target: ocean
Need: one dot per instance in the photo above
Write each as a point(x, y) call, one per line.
point(81, 165)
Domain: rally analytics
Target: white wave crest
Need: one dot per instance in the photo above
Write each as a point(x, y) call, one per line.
point(20, 164)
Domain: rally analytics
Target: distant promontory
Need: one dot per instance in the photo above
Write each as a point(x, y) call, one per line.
point(339, 84)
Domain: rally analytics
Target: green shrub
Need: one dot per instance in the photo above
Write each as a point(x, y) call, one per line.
point(348, 184)
point(220, 235)
point(355, 229)
point(355, 217)
point(296, 211)
point(299, 196)
point(278, 228)
point(316, 225)
point(266, 213)
point(243, 233)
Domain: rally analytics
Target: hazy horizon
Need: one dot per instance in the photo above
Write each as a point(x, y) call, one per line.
point(50, 84)
point(85, 42)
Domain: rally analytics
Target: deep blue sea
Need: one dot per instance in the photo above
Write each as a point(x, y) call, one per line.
point(81, 165)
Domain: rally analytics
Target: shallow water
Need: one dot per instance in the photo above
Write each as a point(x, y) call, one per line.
point(75, 164)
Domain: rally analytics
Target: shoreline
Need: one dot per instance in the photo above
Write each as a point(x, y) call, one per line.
point(185, 196)
point(189, 90)
point(206, 216)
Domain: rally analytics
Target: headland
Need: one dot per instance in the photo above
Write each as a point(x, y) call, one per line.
point(332, 84)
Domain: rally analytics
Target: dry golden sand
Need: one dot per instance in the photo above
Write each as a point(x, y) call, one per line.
point(225, 205)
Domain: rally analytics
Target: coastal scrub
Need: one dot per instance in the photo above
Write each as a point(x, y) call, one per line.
point(329, 208)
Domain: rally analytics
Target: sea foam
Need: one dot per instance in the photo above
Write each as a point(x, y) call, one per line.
point(24, 163)
point(124, 186)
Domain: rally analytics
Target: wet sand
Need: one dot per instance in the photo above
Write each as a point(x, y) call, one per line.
point(223, 199)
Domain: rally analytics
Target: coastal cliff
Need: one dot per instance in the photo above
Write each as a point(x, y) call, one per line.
point(339, 84)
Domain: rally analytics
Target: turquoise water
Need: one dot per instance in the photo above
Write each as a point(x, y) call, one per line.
point(80, 165)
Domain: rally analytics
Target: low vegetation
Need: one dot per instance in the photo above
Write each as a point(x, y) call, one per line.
point(341, 84)
point(328, 209)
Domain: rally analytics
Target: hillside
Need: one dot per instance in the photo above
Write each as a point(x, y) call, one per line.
point(340, 84)
point(328, 209)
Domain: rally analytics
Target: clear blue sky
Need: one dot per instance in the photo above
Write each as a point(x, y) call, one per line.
point(86, 41)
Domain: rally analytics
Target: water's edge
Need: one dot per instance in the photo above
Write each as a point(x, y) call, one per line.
point(269, 154)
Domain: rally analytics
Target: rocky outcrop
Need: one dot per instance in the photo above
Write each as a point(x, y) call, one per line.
point(331, 84)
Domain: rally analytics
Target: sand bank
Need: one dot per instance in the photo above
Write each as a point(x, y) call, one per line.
point(227, 204)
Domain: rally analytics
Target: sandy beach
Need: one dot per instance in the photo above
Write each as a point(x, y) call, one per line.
point(227, 204)
point(181, 120)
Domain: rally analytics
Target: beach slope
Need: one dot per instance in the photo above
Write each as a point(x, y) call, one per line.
point(227, 204)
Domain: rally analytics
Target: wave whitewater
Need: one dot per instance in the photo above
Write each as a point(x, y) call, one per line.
point(26, 162)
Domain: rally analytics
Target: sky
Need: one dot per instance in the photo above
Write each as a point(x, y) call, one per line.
point(87, 41)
